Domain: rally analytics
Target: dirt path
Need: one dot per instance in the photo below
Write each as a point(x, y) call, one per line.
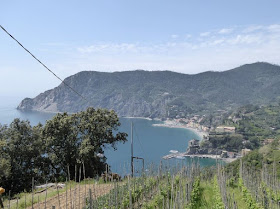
point(75, 198)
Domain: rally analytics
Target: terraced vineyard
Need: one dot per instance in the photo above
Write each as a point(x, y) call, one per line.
point(194, 187)
point(189, 187)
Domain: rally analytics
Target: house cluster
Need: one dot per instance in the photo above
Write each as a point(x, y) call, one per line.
point(195, 149)
point(267, 141)
point(226, 154)
point(225, 129)
point(194, 122)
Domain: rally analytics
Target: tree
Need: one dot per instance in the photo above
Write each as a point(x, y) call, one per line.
point(80, 139)
point(61, 137)
point(24, 148)
point(46, 152)
point(97, 130)
point(5, 162)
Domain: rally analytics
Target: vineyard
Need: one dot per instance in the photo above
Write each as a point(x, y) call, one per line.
point(188, 186)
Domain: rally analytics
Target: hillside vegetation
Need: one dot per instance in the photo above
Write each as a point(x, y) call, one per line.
point(255, 127)
point(183, 186)
point(251, 182)
point(266, 157)
point(65, 147)
point(163, 93)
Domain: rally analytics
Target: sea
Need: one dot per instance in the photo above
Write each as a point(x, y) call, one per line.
point(149, 142)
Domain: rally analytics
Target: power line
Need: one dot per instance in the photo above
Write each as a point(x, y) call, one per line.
point(141, 147)
point(80, 95)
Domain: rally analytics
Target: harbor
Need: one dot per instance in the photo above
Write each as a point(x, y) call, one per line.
point(183, 155)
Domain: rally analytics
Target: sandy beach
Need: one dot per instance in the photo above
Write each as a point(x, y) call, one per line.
point(174, 124)
point(139, 118)
point(200, 133)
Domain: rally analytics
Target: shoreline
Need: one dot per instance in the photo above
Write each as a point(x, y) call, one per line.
point(173, 124)
point(168, 123)
point(144, 118)
point(209, 156)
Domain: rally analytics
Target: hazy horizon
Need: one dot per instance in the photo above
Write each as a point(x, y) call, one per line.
point(19, 97)
point(182, 36)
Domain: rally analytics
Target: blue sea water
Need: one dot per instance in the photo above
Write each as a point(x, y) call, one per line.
point(150, 142)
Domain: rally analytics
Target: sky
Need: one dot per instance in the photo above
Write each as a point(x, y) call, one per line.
point(187, 36)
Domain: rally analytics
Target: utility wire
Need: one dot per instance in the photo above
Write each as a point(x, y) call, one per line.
point(141, 147)
point(80, 95)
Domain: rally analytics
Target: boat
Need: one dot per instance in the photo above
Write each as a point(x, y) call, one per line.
point(180, 157)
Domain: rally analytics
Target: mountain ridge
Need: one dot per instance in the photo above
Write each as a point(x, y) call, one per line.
point(162, 93)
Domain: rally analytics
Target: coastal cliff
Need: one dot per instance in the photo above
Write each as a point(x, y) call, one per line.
point(162, 93)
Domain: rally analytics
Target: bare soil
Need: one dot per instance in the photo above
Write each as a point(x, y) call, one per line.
point(74, 197)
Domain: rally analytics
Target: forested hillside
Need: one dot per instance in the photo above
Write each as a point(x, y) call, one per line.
point(163, 93)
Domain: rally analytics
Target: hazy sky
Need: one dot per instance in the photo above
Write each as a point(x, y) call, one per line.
point(179, 35)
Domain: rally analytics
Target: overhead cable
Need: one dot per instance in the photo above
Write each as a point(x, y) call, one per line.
point(76, 92)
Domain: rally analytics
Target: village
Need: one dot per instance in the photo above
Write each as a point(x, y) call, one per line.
point(204, 148)
point(194, 150)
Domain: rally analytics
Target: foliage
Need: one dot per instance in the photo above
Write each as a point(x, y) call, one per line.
point(258, 123)
point(196, 195)
point(129, 192)
point(250, 202)
point(23, 153)
point(255, 160)
point(218, 202)
point(254, 125)
point(46, 152)
point(229, 142)
point(170, 190)
point(163, 93)
point(165, 193)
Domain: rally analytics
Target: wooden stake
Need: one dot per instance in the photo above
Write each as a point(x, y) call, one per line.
point(17, 202)
point(32, 191)
point(46, 195)
point(58, 195)
point(85, 182)
point(90, 199)
point(66, 194)
point(80, 172)
point(25, 200)
point(75, 173)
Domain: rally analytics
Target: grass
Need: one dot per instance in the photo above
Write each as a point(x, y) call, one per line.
point(207, 194)
point(237, 197)
point(25, 199)
point(153, 191)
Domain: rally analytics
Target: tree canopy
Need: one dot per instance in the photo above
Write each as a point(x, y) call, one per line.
point(57, 149)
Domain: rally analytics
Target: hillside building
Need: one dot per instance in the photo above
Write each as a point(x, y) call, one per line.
point(193, 143)
point(225, 129)
point(268, 141)
point(245, 152)
point(193, 146)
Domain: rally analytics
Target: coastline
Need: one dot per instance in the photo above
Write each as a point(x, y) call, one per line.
point(183, 155)
point(174, 124)
point(202, 134)
point(144, 118)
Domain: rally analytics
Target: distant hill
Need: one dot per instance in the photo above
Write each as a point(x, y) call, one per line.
point(163, 93)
